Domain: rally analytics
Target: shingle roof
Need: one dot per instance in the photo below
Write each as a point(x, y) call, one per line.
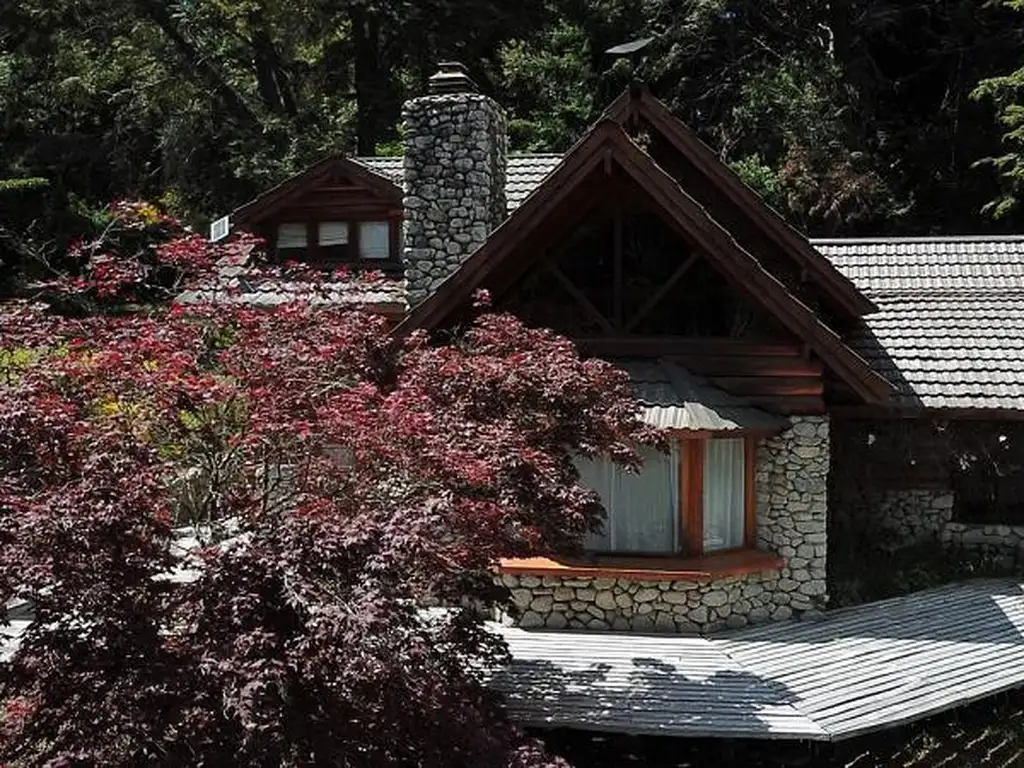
point(673, 398)
point(949, 332)
point(234, 285)
point(524, 172)
point(901, 266)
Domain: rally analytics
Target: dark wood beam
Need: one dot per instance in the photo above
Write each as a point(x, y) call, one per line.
point(618, 286)
point(582, 300)
point(657, 346)
point(660, 293)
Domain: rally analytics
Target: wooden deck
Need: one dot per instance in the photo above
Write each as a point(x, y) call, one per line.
point(858, 670)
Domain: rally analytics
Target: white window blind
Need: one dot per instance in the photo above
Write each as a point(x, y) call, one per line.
point(642, 508)
point(291, 235)
point(333, 233)
point(724, 494)
point(375, 240)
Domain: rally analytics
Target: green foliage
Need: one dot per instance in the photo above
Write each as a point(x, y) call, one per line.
point(852, 116)
point(551, 85)
point(760, 177)
point(20, 185)
point(1004, 91)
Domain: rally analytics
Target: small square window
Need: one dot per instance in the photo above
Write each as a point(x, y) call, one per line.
point(292, 240)
point(375, 240)
point(333, 240)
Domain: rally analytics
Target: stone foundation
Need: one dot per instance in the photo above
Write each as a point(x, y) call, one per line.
point(689, 607)
point(791, 492)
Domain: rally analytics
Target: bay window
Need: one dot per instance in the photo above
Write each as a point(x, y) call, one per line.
point(696, 499)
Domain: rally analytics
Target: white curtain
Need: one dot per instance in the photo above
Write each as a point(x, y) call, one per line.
point(291, 236)
point(374, 240)
point(643, 509)
point(333, 233)
point(724, 494)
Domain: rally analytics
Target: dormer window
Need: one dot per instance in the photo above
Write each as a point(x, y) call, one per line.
point(332, 241)
point(337, 241)
point(292, 241)
point(374, 240)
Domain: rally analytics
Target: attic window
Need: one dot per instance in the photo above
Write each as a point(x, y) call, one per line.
point(292, 240)
point(337, 241)
point(374, 240)
point(333, 240)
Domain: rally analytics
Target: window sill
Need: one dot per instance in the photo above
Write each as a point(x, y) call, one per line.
point(707, 568)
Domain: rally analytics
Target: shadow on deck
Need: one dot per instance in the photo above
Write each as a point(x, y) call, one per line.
point(858, 670)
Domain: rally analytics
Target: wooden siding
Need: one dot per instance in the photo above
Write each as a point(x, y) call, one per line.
point(858, 670)
point(777, 377)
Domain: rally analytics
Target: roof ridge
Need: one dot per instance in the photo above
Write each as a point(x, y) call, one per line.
point(544, 155)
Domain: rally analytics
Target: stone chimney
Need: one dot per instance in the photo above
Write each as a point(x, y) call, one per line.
point(455, 158)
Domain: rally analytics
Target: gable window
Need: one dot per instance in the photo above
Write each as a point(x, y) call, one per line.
point(696, 499)
point(331, 241)
point(374, 240)
point(292, 240)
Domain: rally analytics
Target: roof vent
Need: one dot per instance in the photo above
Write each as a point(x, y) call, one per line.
point(451, 77)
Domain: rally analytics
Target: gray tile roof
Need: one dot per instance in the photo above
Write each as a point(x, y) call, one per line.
point(235, 285)
point(525, 172)
point(949, 332)
point(673, 398)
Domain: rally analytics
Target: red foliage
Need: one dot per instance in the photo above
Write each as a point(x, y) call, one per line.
point(339, 483)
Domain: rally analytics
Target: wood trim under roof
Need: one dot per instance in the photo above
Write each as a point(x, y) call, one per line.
point(291, 189)
point(607, 142)
point(639, 102)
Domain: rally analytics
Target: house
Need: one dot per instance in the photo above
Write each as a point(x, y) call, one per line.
point(800, 381)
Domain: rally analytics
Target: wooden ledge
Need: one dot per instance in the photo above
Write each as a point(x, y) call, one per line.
point(708, 568)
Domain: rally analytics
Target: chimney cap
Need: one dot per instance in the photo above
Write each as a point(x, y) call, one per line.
point(451, 77)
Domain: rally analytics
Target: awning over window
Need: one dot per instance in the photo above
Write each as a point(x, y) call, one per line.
point(674, 398)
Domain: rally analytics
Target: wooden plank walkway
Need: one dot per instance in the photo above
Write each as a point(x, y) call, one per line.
point(857, 670)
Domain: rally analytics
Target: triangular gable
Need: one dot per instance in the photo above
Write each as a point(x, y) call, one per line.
point(640, 103)
point(608, 143)
point(334, 166)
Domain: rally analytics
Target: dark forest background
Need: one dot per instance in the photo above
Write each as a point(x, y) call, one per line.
point(850, 116)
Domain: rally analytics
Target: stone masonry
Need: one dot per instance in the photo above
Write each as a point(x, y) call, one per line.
point(455, 167)
point(913, 514)
point(791, 478)
point(916, 515)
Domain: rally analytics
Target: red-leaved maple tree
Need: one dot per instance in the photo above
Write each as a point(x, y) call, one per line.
point(266, 537)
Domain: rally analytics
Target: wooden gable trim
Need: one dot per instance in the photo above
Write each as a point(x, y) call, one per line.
point(293, 188)
point(639, 102)
point(608, 139)
point(748, 273)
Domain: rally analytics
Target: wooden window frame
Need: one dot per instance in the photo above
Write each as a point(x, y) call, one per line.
point(692, 447)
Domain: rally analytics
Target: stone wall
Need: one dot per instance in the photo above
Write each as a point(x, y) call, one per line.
point(689, 607)
point(917, 515)
point(1004, 543)
point(455, 168)
point(791, 482)
point(792, 506)
point(913, 515)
